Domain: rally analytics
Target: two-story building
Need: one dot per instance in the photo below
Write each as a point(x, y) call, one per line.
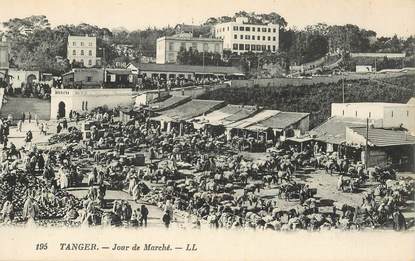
point(83, 49)
point(169, 46)
point(240, 36)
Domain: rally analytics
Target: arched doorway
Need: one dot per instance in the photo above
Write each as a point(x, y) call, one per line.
point(61, 110)
point(29, 84)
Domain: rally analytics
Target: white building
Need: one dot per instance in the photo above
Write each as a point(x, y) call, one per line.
point(364, 68)
point(241, 36)
point(380, 115)
point(19, 78)
point(169, 46)
point(85, 100)
point(83, 49)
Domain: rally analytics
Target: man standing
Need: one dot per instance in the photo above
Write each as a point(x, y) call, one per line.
point(23, 117)
point(144, 215)
point(58, 128)
point(29, 137)
point(19, 125)
point(30, 117)
point(399, 222)
point(166, 219)
point(37, 119)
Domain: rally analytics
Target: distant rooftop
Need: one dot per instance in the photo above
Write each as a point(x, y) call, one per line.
point(384, 104)
point(187, 68)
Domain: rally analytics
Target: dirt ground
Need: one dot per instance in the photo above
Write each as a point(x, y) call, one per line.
point(325, 184)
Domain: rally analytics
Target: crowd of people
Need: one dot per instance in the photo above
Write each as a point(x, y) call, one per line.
point(157, 82)
point(197, 176)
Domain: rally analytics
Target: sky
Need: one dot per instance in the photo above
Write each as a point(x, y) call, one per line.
point(386, 17)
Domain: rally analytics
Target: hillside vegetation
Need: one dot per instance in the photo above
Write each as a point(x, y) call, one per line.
point(317, 98)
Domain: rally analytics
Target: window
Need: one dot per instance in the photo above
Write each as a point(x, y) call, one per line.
point(74, 52)
point(73, 43)
point(253, 47)
point(183, 46)
point(253, 29)
point(228, 28)
point(273, 38)
point(171, 46)
point(247, 47)
point(235, 28)
point(274, 30)
point(247, 37)
point(247, 29)
point(170, 57)
point(264, 47)
point(90, 52)
point(343, 112)
point(264, 30)
point(355, 113)
point(235, 36)
point(89, 78)
point(273, 48)
point(82, 43)
point(83, 106)
point(242, 37)
point(269, 30)
point(241, 28)
point(370, 114)
point(194, 46)
point(90, 43)
point(263, 38)
point(241, 46)
point(216, 48)
point(235, 46)
point(86, 105)
point(82, 61)
point(89, 62)
point(269, 47)
point(269, 38)
point(253, 37)
point(258, 47)
point(392, 114)
point(259, 29)
point(82, 52)
point(205, 47)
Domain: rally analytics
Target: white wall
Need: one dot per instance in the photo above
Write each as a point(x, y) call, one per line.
point(20, 76)
point(385, 115)
point(363, 110)
point(73, 99)
point(364, 68)
point(161, 51)
point(394, 116)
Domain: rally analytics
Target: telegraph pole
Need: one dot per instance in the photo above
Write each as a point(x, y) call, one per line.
point(343, 89)
point(367, 144)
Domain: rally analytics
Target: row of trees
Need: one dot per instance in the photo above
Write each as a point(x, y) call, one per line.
point(317, 98)
point(194, 57)
point(35, 44)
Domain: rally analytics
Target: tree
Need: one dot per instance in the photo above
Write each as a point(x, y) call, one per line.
point(21, 26)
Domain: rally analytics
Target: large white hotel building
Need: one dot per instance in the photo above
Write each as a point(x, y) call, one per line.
point(241, 36)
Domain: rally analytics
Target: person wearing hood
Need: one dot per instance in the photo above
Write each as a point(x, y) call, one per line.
point(166, 218)
point(169, 207)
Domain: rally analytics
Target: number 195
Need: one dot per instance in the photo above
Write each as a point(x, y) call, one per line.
point(42, 246)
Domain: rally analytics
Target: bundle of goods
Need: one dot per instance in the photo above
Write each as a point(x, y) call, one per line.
point(74, 136)
point(48, 205)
